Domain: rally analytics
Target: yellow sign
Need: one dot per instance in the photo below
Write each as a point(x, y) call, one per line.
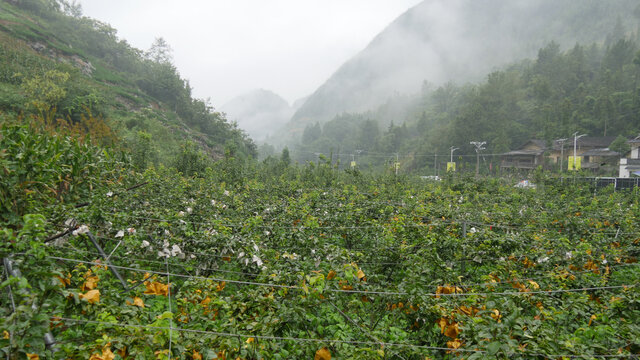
point(451, 166)
point(575, 165)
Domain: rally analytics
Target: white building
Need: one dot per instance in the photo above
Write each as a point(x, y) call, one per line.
point(631, 165)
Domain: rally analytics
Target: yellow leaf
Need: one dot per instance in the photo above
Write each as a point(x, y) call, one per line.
point(360, 274)
point(448, 290)
point(106, 354)
point(206, 301)
point(136, 302)
point(92, 296)
point(5, 334)
point(156, 288)
point(122, 352)
point(64, 281)
point(90, 283)
point(250, 340)
point(443, 324)
point(496, 315)
point(534, 285)
point(452, 331)
point(322, 354)
point(593, 317)
point(221, 286)
point(196, 355)
point(332, 274)
point(33, 357)
point(454, 344)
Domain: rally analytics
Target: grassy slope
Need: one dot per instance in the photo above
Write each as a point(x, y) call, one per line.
point(126, 107)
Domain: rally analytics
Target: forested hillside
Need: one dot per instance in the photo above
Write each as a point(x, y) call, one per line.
point(590, 88)
point(459, 41)
point(72, 72)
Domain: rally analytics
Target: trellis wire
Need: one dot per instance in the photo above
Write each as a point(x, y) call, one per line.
point(337, 341)
point(363, 292)
point(491, 284)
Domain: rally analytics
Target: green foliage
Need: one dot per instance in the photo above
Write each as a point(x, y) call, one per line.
point(591, 89)
point(39, 170)
point(316, 253)
point(143, 154)
point(71, 67)
point(190, 161)
point(620, 145)
point(45, 92)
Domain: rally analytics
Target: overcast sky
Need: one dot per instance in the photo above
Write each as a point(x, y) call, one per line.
point(228, 47)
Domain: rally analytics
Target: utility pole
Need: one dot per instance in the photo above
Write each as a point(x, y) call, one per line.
point(575, 145)
point(397, 164)
point(561, 141)
point(452, 150)
point(479, 146)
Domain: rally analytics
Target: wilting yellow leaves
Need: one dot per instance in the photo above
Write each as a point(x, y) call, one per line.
point(332, 274)
point(452, 331)
point(156, 288)
point(449, 329)
point(33, 357)
point(469, 311)
point(534, 285)
point(250, 340)
point(92, 296)
point(64, 282)
point(196, 355)
point(345, 285)
point(206, 301)
point(590, 265)
point(495, 314)
point(361, 275)
point(528, 263)
point(136, 302)
point(454, 344)
point(448, 290)
point(106, 354)
point(593, 317)
point(90, 283)
point(322, 354)
point(162, 354)
point(221, 286)
point(5, 335)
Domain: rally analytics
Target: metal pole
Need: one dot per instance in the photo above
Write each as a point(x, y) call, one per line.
point(114, 271)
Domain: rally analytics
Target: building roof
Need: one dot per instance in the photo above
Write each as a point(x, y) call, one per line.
point(635, 140)
point(586, 141)
point(524, 152)
point(600, 152)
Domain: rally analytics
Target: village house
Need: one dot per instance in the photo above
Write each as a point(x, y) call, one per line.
point(631, 165)
point(594, 149)
point(529, 156)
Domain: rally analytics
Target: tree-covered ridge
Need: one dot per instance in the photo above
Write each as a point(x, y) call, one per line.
point(58, 64)
point(591, 89)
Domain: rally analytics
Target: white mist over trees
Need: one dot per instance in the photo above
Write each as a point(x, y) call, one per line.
point(460, 41)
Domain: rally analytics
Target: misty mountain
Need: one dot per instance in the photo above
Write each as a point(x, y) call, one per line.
point(260, 112)
point(439, 41)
